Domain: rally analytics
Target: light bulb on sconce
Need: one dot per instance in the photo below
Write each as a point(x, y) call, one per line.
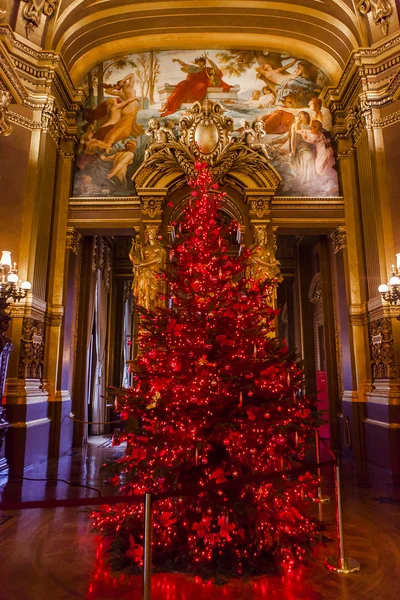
point(5, 260)
point(11, 289)
point(394, 280)
point(390, 291)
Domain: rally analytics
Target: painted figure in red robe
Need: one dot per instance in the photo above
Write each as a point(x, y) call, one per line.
point(194, 87)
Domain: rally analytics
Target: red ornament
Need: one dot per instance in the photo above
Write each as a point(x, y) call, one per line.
point(115, 480)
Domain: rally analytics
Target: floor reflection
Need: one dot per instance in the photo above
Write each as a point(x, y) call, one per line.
point(173, 586)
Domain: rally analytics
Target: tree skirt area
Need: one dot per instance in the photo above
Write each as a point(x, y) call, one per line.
point(294, 585)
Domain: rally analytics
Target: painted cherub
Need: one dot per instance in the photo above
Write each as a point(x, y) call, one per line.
point(121, 161)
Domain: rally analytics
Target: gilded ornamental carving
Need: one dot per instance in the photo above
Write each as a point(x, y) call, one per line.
point(5, 125)
point(339, 239)
point(205, 135)
point(382, 349)
point(32, 350)
point(33, 11)
point(73, 240)
point(152, 206)
point(381, 12)
point(259, 205)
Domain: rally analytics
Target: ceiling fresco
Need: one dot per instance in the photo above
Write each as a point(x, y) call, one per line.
point(279, 91)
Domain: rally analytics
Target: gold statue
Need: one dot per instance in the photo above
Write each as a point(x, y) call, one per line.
point(149, 262)
point(263, 264)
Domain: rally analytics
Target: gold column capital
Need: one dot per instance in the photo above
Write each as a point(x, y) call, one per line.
point(339, 239)
point(73, 240)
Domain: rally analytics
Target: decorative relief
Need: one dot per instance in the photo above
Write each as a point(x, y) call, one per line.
point(5, 125)
point(381, 12)
point(259, 205)
point(33, 11)
point(382, 349)
point(73, 240)
point(315, 291)
point(54, 122)
point(152, 206)
point(32, 350)
point(205, 135)
point(339, 239)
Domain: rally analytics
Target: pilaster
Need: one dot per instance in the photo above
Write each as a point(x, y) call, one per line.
point(36, 160)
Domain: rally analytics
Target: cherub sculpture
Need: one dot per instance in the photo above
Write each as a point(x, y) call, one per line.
point(252, 138)
point(160, 136)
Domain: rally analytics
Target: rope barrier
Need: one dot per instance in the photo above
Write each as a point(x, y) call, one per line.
point(94, 422)
point(129, 499)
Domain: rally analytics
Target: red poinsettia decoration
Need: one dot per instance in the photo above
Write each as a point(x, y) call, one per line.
point(167, 519)
point(135, 551)
point(218, 475)
point(225, 528)
point(203, 527)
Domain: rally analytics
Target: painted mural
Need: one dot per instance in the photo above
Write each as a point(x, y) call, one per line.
point(280, 91)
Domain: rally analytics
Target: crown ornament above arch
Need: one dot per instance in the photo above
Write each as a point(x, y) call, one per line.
point(205, 135)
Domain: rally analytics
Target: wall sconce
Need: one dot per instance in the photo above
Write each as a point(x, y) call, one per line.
point(391, 291)
point(10, 286)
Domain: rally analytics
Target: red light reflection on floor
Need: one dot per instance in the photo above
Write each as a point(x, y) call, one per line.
point(175, 586)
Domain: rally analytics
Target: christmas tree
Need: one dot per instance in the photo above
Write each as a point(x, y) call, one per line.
point(221, 415)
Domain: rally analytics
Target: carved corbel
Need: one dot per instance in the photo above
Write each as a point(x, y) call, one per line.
point(381, 12)
point(5, 125)
point(152, 206)
point(259, 205)
point(152, 201)
point(73, 240)
point(339, 239)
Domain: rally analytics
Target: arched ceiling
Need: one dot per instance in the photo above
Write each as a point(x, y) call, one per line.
point(324, 32)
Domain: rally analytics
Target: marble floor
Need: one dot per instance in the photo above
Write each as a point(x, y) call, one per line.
point(52, 554)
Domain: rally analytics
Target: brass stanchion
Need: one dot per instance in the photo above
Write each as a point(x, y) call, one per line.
point(320, 498)
point(147, 547)
point(339, 563)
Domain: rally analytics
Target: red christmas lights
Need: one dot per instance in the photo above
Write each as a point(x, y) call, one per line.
point(220, 410)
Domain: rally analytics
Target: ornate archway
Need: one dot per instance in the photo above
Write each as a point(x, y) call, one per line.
point(237, 160)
